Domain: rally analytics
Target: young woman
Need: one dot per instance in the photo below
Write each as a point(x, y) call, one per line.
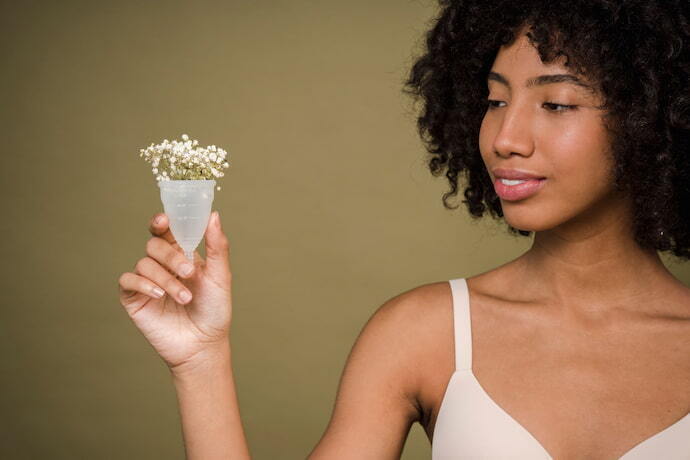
point(570, 120)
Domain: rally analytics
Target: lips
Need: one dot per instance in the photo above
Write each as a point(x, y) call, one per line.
point(518, 191)
point(516, 174)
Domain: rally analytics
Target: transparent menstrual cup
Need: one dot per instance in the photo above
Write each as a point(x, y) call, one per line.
point(188, 206)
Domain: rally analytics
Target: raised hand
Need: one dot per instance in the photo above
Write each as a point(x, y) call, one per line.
point(180, 329)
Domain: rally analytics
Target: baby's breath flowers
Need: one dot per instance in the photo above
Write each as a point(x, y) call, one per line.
point(184, 160)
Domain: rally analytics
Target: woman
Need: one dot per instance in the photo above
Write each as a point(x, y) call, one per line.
point(567, 119)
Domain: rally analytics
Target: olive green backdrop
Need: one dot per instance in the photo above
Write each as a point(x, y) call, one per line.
point(328, 206)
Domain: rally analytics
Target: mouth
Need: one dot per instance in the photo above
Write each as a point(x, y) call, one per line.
point(517, 189)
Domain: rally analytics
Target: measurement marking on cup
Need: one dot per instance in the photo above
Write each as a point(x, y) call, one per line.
point(190, 205)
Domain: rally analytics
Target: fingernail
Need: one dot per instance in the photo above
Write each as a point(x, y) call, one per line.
point(159, 219)
point(185, 296)
point(158, 292)
point(186, 269)
point(217, 219)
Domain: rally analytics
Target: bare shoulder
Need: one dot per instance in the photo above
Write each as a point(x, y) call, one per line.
point(422, 320)
point(427, 314)
point(416, 309)
point(378, 395)
point(411, 329)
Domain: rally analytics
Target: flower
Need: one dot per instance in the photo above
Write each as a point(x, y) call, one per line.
point(184, 160)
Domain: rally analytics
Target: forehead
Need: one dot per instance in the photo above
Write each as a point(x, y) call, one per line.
point(519, 64)
point(521, 57)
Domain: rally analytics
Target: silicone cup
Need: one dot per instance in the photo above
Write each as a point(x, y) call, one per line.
point(187, 204)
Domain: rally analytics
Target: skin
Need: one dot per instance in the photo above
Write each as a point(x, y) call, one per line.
point(584, 294)
point(584, 339)
point(583, 247)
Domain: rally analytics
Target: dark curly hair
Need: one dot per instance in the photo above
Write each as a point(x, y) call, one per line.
point(637, 54)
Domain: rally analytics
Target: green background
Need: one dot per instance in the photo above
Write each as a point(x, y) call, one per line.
point(328, 206)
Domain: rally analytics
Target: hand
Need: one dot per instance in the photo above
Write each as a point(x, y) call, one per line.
point(181, 330)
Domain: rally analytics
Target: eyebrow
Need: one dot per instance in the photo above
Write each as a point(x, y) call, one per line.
point(542, 80)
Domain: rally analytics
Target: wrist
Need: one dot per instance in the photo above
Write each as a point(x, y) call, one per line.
point(208, 360)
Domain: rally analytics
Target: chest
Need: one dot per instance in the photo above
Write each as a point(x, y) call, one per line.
point(590, 393)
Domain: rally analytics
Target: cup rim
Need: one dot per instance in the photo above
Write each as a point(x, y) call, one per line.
point(191, 182)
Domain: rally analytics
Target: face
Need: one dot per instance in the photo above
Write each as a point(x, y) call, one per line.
point(545, 121)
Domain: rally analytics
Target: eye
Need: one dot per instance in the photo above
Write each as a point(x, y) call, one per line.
point(554, 107)
point(494, 103)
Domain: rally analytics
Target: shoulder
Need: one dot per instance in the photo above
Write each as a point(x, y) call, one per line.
point(377, 399)
point(412, 316)
point(413, 332)
point(414, 307)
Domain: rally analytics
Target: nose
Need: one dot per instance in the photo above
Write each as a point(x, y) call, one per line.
point(515, 133)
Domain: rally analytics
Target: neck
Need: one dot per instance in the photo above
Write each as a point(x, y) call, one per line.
point(594, 266)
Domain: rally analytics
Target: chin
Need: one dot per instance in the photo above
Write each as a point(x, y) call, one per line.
point(530, 220)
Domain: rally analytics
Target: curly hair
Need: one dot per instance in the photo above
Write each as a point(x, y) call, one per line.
point(635, 51)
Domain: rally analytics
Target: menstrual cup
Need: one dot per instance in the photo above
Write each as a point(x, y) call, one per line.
point(188, 206)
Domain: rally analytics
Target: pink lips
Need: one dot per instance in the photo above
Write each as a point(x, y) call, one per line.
point(519, 191)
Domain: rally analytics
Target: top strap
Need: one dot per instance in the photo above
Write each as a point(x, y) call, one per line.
point(462, 325)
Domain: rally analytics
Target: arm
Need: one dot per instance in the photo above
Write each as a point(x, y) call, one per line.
point(376, 403)
point(375, 407)
point(211, 425)
point(191, 334)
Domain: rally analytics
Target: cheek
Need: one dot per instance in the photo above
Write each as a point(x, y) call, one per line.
point(580, 160)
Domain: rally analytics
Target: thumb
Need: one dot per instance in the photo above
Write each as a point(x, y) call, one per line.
point(217, 245)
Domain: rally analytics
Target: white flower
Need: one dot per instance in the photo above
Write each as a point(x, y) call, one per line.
point(179, 160)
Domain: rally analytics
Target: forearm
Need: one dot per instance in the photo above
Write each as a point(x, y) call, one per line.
point(211, 424)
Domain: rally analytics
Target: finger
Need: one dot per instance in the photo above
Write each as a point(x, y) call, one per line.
point(217, 246)
point(175, 261)
point(159, 226)
point(149, 268)
point(131, 284)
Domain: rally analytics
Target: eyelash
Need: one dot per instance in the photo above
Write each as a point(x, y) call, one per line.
point(565, 108)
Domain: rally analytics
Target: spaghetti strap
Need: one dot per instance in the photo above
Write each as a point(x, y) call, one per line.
point(462, 326)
